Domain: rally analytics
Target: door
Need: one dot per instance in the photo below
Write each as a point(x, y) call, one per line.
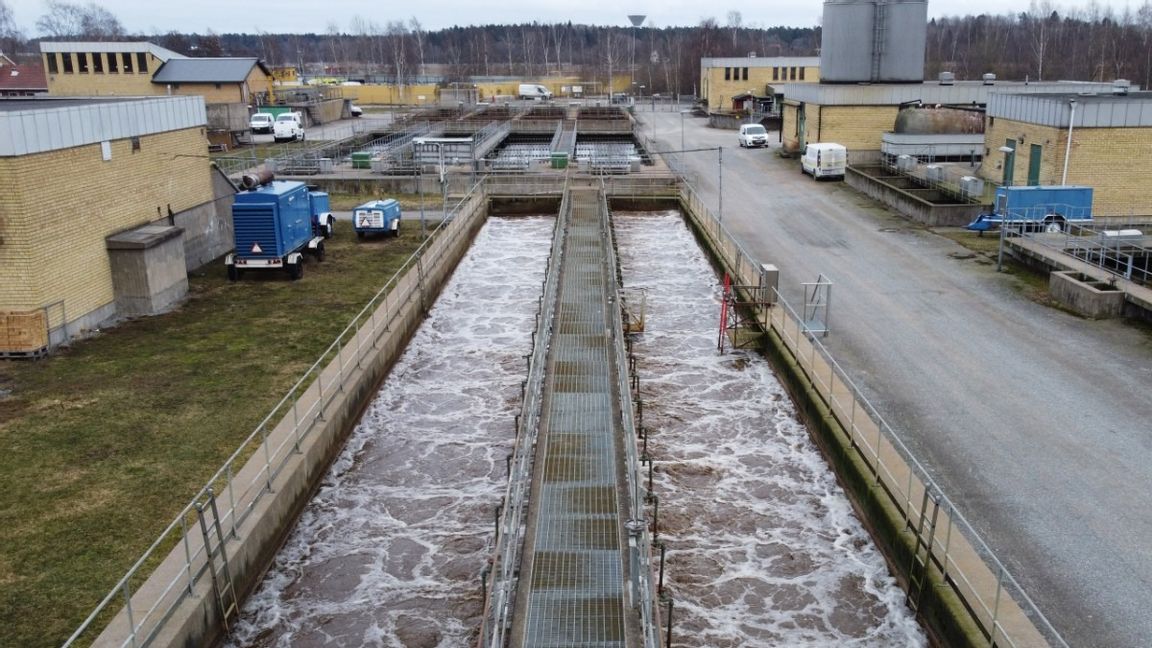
point(1009, 162)
point(1034, 153)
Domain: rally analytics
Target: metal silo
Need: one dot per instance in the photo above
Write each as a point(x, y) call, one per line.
point(877, 41)
point(847, 41)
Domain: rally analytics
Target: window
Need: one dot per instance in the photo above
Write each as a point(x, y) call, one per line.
point(217, 86)
point(82, 63)
point(126, 59)
point(135, 143)
point(53, 64)
point(801, 74)
point(113, 63)
point(67, 56)
point(97, 63)
point(792, 74)
point(775, 74)
point(745, 74)
point(141, 63)
point(727, 74)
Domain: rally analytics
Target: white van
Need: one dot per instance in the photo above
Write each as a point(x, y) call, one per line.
point(533, 91)
point(824, 160)
point(287, 127)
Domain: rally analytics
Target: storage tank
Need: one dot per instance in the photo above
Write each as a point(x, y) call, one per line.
point(938, 121)
point(873, 41)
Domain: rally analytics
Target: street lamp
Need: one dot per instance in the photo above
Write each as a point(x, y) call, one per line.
point(637, 20)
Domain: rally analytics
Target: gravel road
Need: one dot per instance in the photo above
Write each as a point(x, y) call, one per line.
point(1037, 424)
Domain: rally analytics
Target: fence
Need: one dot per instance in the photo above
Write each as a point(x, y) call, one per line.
point(1118, 249)
point(196, 543)
point(994, 599)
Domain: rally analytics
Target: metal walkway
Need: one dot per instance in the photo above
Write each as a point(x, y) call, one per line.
point(572, 590)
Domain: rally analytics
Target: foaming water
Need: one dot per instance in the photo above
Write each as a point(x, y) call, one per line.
point(764, 548)
point(389, 551)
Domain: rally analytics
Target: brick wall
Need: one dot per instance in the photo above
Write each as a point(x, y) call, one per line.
point(858, 128)
point(92, 84)
point(719, 91)
point(56, 209)
point(1113, 161)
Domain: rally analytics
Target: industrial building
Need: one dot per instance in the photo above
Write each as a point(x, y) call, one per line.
point(75, 172)
point(20, 79)
point(723, 80)
point(229, 86)
point(1027, 142)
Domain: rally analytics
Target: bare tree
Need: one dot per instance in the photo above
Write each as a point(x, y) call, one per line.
point(397, 35)
point(735, 20)
point(418, 34)
point(10, 37)
point(68, 20)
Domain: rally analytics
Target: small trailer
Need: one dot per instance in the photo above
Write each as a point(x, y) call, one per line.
point(272, 228)
point(377, 216)
point(323, 222)
point(1037, 208)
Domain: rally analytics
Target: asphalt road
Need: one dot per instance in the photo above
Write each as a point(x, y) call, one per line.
point(1037, 424)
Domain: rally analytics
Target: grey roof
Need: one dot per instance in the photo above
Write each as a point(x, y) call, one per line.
point(207, 70)
point(887, 94)
point(1093, 110)
point(40, 125)
point(761, 61)
point(111, 46)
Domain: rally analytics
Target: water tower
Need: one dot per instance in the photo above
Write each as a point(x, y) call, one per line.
point(873, 41)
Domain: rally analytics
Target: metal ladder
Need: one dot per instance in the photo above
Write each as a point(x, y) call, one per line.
point(222, 589)
point(922, 552)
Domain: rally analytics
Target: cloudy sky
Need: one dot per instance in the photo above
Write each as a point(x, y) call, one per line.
point(311, 15)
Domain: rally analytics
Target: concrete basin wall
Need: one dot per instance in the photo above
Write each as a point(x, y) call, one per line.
point(917, 204)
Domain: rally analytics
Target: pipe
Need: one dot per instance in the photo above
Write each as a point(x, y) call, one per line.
point(1068, 148)
point(253, 180)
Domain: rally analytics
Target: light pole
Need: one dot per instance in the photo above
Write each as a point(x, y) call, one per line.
point(720, 163)
point(637, 20)
point(443, 183)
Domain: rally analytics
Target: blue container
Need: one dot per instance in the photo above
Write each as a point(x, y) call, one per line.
point(377, 216)
point(272, 221)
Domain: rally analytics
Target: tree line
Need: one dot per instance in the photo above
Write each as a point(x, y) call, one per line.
point(1043, 43)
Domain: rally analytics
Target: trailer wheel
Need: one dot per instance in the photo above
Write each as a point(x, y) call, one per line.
point(328, 229)
point(320, 251)
point(296, 270)
point(1053, 224)
point(233, 273)
point(360, 235)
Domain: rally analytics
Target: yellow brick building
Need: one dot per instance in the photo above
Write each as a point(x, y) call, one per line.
point(721, 79)
point(86, 69)
point(74, 171)
point(1111, 145)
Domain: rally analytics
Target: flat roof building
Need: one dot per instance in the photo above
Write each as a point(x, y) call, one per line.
point(722, 79)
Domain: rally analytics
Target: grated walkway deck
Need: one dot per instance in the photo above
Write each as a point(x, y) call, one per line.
point(573, 589)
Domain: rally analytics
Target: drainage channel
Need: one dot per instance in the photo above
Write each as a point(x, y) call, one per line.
point(388, 553)
point(762, 546)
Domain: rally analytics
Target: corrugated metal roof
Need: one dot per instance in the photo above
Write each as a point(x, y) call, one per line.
point(888, 94)
point(1103, 110)
point(41, 125)
point(206, 70)
point(102, 46)
point(758, 61)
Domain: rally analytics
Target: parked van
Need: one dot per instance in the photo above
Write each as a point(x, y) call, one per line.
point(288, 127)
point(753, 136)
point(533, 91)
point(261, 122)
point(824, 160)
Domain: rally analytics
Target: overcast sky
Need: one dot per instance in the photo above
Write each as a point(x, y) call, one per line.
point(224, 16)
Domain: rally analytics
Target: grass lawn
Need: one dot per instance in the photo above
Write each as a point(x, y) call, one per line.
point(104, 442)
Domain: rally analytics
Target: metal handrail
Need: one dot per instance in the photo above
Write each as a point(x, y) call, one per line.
point(904, 499)
point(237, 509)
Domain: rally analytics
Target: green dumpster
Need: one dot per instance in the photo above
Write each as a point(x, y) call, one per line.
point(362, 160)
point(559, 160)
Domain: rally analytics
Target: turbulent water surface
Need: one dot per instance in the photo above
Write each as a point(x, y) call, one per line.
point(763, 546)
point(390, 550)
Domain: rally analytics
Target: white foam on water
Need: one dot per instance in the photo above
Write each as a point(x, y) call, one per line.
point(389, 552)
point(764, 548)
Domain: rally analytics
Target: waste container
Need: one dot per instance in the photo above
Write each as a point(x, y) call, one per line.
point(362, 160)
point(325, 165)
point(559, 160)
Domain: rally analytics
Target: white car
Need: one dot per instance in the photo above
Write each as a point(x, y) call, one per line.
point(355, 110)
point(261, 122)
point(753, 135)
point(288, 128)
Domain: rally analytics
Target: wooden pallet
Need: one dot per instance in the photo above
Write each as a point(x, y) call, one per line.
point(23, 334)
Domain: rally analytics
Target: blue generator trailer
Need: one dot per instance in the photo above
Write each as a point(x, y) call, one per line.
point(323, 223)
point(377, 216)
point(272, 229)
